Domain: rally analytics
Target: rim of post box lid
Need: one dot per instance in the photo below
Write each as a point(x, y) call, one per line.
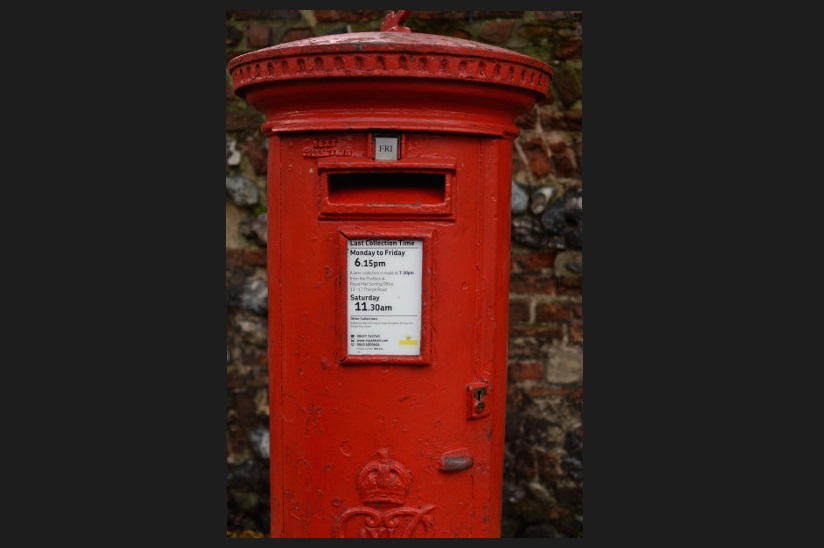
point(399, 80)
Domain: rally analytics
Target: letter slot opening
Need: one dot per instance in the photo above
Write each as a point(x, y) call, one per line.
point(386, 189)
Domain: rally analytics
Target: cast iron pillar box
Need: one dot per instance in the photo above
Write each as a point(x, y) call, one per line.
point(389, 179)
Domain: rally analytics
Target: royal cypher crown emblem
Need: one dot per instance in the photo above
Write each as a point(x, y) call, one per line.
point(383, 483)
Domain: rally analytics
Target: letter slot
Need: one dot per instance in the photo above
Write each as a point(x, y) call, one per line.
point(369, 189)
point(386, 189)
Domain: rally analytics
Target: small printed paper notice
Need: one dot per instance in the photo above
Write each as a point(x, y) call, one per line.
point(384, 296)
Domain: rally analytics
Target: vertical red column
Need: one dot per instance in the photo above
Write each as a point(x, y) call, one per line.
point(389, 194)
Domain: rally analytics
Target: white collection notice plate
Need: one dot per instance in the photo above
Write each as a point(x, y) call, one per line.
point(384, 297)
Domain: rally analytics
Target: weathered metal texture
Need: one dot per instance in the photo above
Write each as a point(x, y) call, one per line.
point(385, 445)
point(402, 80)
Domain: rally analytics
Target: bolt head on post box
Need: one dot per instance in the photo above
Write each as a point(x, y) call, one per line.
point(389, 177)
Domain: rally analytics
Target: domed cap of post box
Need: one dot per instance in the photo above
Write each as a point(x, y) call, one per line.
point(394, 78)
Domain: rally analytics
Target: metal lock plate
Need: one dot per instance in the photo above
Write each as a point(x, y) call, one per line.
point(478, 403)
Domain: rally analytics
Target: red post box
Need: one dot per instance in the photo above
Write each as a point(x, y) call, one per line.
point(389, 182)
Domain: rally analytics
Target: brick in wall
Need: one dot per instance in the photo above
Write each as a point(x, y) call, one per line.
point(259, 35)
point(519, 310)
point(528, 282)
point(537, 155)
point(533, 261)
point(526, 371)
point(553, 312)
point(296, 34)
point(496, 32)
point(350, 16)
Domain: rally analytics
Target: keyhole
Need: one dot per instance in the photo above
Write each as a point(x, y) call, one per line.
point(480, 405)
